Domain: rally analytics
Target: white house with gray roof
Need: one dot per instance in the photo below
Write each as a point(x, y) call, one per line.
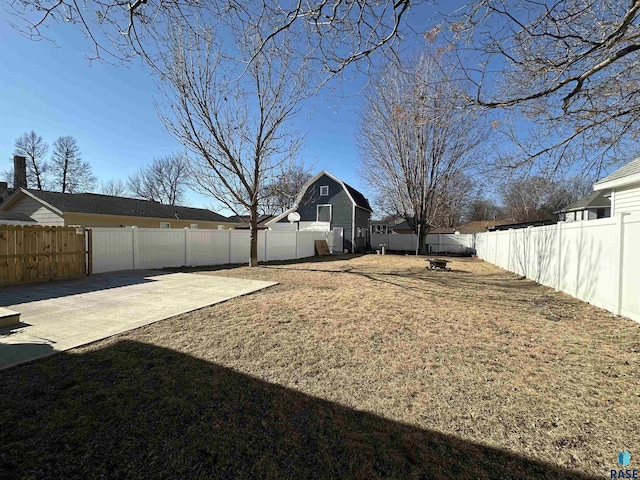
point(623, 188)
point(591, 207)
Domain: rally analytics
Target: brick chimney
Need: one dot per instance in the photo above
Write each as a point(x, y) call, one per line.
point(19, 172)
point(4, 191)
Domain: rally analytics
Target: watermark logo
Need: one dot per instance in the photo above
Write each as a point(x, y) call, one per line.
point(624, 459)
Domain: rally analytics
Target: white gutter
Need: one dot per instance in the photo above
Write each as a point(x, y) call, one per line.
point(618, 182)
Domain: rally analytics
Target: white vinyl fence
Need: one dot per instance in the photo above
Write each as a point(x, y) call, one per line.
point(437, 242)
point(135, 248)
point(597, 261)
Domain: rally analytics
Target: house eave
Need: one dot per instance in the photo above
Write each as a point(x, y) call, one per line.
point(618, 182)
point(15, 195)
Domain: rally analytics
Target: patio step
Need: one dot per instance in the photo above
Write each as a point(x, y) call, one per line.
point(8, 318)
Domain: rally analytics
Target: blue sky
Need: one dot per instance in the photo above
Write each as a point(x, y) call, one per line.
point(54, 90)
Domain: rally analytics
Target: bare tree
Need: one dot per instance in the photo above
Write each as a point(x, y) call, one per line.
point(70, 174)
point(453, 200)
point(34, 148)
point(335, 33)
point(481, 208)
point(164, 180)
point(565, 70)
point(115, 187)
point(280, 194)
point(237, 128)
point(414, 139)
point(538, 198)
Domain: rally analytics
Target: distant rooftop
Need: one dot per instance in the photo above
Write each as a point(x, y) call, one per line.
point(595, 200)
point(131, 207)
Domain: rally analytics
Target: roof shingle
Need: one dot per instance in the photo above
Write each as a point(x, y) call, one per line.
point(595, 200)
point(359, 198)
point(129, 207)
point(629, 169)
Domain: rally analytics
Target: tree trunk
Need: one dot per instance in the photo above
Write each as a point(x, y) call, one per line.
point(253, 262)
point(422, 238)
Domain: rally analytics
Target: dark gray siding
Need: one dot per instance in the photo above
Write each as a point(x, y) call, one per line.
point(342, 207)
point(363, 242)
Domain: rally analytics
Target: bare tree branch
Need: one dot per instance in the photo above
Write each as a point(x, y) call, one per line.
point(164, 180)
point(34, 148)
point(70, 174)
point(566, 71)
point(236, 127)
point(335, 34)
point(416, 140)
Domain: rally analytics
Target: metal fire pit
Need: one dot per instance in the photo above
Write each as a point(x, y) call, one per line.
point(438, 264)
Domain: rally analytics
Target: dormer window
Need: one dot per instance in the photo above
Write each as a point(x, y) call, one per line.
point(324, 190)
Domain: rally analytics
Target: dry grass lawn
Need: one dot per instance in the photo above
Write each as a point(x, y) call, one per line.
point(351, 367)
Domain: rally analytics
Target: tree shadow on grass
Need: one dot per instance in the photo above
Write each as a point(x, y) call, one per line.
point(315, 259)
point(132, 410)
point(456, 284)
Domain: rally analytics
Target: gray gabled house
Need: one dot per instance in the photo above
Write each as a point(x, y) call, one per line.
point(592, 207)
point(326, 203)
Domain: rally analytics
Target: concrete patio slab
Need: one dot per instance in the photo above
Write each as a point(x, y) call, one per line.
point(8, 318)
point(57, 316)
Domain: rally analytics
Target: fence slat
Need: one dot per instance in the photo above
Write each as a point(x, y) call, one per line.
point(40, 253)
point(20, 261)
point(586, 259)
point(4, 250)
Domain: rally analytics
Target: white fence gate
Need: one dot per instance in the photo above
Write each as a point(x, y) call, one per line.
point(437, 242)
point(595, 260)
point(135, 248)
point(337, 246)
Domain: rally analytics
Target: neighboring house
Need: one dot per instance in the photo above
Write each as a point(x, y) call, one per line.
point(325, 203)
point(243, 221)
point(622, 188)
point(93, 210)
point(397, 226)
point(380, 228)
point(591, 207)
point(444, 230)
point(479, 226)
point(514, 226)
point(385, 226)
point(402, 228)
point(5, 191)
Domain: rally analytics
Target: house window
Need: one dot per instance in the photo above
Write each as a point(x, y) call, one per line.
point(324, 213)
point(165, 225)
point(600, 213)
point(193, 225)
point(324, 190)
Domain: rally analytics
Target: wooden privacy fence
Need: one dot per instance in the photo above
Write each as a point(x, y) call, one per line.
point(40, 253)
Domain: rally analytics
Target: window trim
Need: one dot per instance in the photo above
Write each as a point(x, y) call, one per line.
point(330, 212)
point(326, 194)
